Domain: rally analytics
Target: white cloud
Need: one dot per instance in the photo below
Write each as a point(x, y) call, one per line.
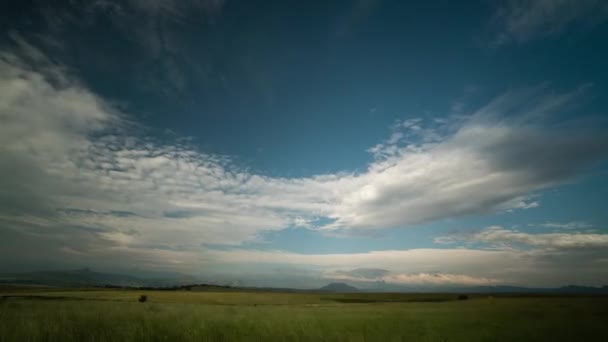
point(460, 266)
point(450, 174)
point(415, 260)
point(522, 21)
point(438, 279)
point(573, 225)
point(372, 275)
point(72, 173)
point(446, 174)
point(509, 238)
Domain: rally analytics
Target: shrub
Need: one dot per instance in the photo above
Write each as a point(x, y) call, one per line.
point(143, 298)
point(463, 297)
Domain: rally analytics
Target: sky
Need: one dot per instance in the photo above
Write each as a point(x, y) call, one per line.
point(295, 143)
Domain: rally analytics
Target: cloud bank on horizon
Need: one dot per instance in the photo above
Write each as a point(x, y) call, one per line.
point(84, 180)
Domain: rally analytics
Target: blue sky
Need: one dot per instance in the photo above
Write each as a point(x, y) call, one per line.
point(295, 143)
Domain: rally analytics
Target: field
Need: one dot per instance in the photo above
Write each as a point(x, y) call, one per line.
point(116, 315)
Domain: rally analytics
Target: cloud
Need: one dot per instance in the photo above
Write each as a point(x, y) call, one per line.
point(63, 147)
point(522, 21)
point(456, 266)
point(359, 274)
point(77, 176)
point(373, 275)
point(174, 7)
point(45, 115)
point(506, 146)
point(567, 225)
point(499, 237)
point(438, 279)
point(151, 31)
point(159, 22)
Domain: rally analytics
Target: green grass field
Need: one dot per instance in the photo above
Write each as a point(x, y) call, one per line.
point(116, 315)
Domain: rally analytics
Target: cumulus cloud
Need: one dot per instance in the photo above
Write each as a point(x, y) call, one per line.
point(522, 21)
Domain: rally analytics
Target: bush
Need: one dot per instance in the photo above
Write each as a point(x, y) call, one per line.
point(463, 297)
point(143, 298)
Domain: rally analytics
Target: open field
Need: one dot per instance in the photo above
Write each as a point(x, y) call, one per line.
point(114, 315)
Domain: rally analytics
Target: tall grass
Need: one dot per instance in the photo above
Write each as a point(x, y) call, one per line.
point(295, 317)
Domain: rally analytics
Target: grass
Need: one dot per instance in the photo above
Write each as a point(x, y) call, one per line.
point(116, 315)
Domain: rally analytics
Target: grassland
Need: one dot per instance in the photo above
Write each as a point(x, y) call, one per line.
point(116, 315)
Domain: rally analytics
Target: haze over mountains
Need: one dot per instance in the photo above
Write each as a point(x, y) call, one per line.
point(89, 278)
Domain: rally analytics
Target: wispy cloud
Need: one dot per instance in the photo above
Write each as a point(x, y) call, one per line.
point(439, 279)
point(372, 275)
point(499, 237)
point(573, 225)
point(522, 21)
point(155, 28)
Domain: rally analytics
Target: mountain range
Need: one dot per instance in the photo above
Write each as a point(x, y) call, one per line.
point(89, 278)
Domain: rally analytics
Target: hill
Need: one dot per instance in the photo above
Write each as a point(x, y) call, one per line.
point(72, 278)
point(338, 287)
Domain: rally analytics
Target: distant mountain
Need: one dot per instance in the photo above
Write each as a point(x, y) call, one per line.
point(72, 278)
point(571, 289)
point(338, 287)
point(88, 278)
point(85, 277)
point(498, 289)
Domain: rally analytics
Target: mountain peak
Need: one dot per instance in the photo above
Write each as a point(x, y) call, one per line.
point(339, 287)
